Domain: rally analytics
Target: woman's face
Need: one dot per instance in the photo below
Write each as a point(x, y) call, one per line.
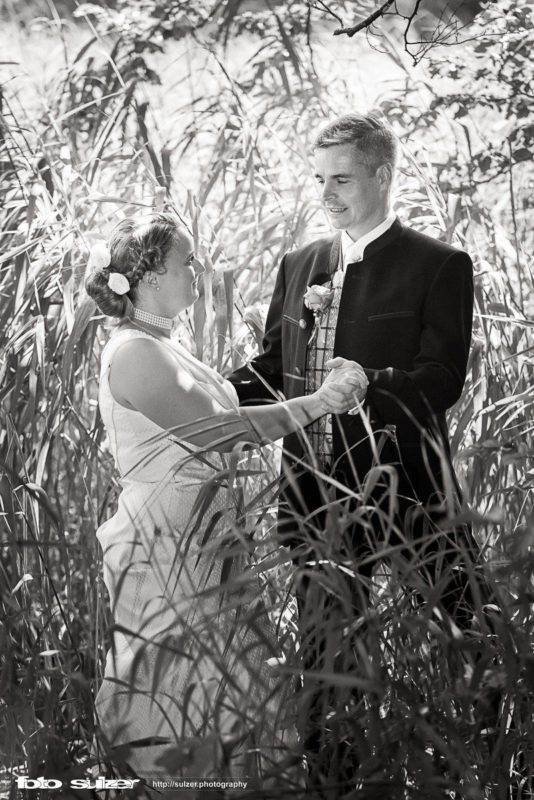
point(178, 285)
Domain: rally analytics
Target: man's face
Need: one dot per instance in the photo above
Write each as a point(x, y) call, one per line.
point(355, 196)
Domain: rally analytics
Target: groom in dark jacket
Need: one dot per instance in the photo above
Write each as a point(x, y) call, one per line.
point(401, 307)
point(397, 303)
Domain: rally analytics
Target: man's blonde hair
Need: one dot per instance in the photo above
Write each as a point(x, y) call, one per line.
point(371, 136)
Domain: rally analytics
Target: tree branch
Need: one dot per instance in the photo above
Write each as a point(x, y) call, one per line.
point(365, 23)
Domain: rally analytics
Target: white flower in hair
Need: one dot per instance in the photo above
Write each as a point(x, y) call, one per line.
point(99, 257)
point(118, 283)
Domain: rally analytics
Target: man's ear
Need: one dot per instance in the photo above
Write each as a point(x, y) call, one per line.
point(385, 174)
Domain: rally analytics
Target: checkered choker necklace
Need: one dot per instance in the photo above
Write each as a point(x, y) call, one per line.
point(152, 319)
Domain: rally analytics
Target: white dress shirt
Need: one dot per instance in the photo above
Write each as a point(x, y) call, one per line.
point(352, 251)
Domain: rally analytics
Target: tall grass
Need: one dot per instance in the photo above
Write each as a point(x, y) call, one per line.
point(422, 721)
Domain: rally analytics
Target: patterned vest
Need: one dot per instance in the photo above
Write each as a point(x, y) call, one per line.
point(318, 353)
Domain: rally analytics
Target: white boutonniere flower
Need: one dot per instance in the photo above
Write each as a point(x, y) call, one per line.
point(318, 298)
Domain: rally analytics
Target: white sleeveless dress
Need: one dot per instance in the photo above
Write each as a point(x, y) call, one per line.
point(191, 685)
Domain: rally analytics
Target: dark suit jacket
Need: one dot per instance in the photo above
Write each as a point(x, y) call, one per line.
point(405, 315)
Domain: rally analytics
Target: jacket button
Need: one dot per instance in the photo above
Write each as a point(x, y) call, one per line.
point(298, 372)
point(303, 323)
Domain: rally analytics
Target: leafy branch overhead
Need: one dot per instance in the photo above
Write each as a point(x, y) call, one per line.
point(422, 26)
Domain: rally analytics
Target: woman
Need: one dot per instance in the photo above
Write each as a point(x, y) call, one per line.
point(190, 686)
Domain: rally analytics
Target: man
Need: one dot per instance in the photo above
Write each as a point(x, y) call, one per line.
point(399, 310)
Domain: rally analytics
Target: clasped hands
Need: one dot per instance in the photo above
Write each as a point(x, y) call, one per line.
point(344, 387)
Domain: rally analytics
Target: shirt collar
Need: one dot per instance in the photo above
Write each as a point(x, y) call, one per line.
point(352, 251)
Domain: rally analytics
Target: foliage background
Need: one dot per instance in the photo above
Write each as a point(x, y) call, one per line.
point(112, 110)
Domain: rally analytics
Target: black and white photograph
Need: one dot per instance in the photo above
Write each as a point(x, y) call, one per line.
point(267, 400)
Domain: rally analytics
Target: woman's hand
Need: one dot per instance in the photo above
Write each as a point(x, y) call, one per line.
point(344, 387)
point(342, 366)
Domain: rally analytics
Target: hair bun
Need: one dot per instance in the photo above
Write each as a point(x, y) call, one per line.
point(108, 302)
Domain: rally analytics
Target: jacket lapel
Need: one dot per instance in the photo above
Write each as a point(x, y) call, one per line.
point(321, 275)
point(319, 272)
point(318, 275)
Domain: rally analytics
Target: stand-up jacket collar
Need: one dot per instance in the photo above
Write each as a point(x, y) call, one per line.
point(371, 242)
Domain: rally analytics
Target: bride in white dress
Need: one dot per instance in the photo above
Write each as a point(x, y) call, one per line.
point(191, 688)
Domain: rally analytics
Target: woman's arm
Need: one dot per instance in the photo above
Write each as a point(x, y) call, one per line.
point(340, 391)
point(147, 378)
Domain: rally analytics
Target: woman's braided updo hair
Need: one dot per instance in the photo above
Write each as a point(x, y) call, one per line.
point(136, 246)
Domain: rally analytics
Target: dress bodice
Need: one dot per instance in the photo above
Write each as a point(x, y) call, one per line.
point(143, 451)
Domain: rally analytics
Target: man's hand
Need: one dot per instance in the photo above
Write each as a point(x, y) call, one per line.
point(344, 370)
point(339, 391)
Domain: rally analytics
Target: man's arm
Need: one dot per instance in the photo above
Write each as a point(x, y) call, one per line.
point(435, 383)
point(262, 378)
